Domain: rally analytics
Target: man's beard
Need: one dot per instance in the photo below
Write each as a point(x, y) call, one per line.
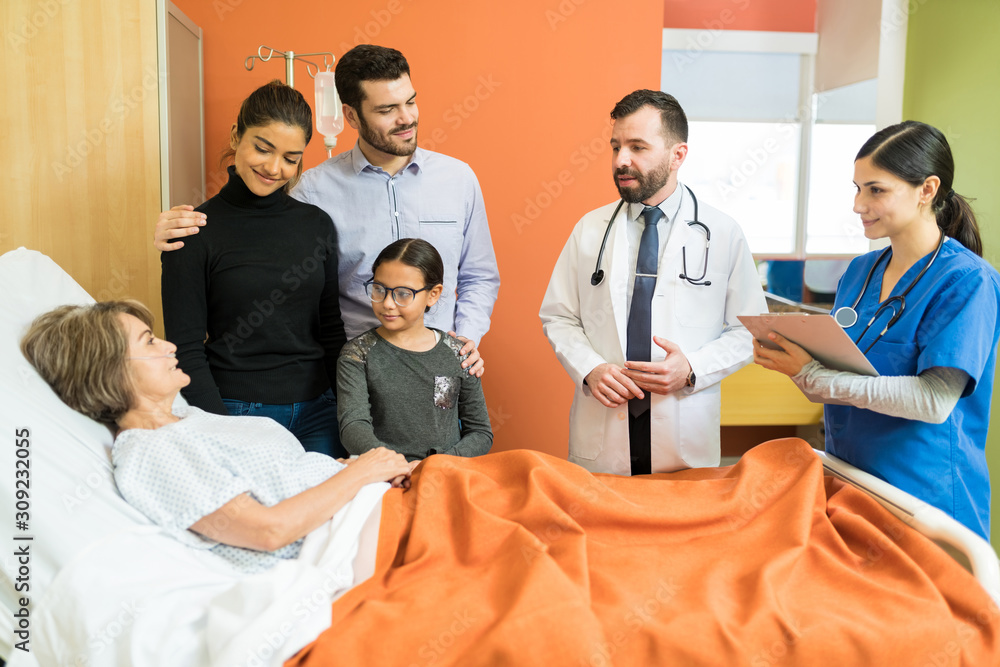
point(647, 185)
point(385, 144)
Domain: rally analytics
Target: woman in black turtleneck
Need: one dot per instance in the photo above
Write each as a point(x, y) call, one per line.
point(253, 302)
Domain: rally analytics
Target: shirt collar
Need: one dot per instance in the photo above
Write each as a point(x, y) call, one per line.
point(670, 206)
point(360, 162)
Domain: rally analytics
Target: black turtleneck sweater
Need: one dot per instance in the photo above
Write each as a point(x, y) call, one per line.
point(252, 300)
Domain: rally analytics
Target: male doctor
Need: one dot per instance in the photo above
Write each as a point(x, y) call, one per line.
point(645, 335)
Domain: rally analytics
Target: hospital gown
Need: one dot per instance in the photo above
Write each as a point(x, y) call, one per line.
point(181, 472)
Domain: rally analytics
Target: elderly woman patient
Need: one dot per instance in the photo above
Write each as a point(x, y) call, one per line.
point(242, 484)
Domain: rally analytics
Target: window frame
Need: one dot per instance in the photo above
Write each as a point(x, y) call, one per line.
point(805, 45)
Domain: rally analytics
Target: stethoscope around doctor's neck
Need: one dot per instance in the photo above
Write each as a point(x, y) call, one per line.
point(598, 276)
point(847, 316)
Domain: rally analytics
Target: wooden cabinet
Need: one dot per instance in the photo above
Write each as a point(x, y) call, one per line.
point(81, 139)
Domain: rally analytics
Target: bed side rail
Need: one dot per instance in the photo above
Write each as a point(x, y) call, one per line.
point(968, 548)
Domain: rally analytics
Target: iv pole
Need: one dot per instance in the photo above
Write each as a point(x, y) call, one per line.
point(290, 57)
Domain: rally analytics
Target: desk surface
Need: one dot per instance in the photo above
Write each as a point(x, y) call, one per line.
point(754, 396)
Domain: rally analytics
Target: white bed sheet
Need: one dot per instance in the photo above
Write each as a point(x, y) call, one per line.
point(139, 597)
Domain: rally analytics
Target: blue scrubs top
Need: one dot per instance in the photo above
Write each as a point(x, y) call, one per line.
point(950, 320)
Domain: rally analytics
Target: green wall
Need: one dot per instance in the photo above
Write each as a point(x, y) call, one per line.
point(953, 82)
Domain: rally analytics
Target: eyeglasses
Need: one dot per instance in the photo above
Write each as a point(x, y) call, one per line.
point(401, 296)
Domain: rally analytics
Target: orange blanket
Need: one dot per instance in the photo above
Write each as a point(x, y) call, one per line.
point(519, 558)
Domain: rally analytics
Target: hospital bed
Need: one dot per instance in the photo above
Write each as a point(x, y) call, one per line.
point(96, 563)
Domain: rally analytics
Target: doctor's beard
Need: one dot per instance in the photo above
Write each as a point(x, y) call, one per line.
point(646, 186)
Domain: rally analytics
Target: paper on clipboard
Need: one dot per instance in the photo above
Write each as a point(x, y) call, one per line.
point(819, 335)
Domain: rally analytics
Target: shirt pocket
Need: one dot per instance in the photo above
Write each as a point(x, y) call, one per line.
point(891, 357)
point(445, 234)
point(446, 390)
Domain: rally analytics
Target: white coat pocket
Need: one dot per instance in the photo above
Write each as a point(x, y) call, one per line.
point(586, 427)
point(702, 306)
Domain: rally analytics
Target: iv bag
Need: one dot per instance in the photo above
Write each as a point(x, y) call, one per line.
point(329, 113)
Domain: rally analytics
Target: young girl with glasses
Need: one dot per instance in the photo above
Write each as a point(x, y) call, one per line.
point(401, 385)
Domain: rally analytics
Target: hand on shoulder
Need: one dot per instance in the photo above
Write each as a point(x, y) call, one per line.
point(178, 222)
point(473, 362)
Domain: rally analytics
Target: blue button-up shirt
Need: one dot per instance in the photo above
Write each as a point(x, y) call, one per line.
point(436, 198)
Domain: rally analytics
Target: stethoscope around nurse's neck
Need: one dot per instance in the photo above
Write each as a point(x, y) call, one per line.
point(598, 276)
point(847, 316)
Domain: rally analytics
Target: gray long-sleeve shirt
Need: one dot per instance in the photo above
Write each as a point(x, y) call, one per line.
point(929, 397)
point(416, 403)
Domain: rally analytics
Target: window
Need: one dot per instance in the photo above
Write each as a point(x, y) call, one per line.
point(764, 148)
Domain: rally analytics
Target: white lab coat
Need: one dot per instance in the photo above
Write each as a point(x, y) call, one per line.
point(586, 326)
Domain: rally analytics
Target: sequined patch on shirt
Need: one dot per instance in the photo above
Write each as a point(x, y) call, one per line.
point(446, 391)
point(358, 348)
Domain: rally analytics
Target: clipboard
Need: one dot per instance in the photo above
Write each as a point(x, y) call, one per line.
point(819, 335)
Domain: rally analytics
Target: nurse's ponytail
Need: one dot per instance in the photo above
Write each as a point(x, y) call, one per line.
point(956, 219)
point(913, 151)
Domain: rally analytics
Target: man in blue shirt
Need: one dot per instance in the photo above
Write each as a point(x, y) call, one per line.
point(387, 188)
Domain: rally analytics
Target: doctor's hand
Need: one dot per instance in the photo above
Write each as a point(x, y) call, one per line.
point(788, 360)
point(661, 377)
point(609, 385)
point(178, 222)
point(474, 364)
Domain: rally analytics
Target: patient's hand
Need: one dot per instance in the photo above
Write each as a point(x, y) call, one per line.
point(403, 481)
point(176, 223)
point(381, 465)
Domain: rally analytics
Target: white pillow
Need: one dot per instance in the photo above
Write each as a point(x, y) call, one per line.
point(74, 501)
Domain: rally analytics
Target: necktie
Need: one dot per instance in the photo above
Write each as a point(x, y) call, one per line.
point(639, 332)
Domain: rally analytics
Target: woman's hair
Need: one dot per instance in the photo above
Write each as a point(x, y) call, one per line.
point(912, 151)
point(417, 253)
point(82, 352)
point(274, 102)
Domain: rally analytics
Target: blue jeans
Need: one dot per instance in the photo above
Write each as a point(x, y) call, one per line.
point(313, 422)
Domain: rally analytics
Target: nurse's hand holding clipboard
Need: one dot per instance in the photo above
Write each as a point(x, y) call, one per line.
point(788, 360)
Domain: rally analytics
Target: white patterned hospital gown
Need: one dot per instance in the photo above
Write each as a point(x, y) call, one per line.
point(181, 472)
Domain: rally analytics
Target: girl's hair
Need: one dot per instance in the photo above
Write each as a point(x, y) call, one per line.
point(82, 352)
point(274, 102)
point(912, 151)
point(417, 253)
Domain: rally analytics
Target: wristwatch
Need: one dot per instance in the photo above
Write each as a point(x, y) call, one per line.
point(691, 379)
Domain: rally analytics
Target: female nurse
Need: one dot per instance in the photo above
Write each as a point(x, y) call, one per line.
point(924, 312)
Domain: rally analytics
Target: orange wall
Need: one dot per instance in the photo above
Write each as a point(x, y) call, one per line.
point(774, 15)
point(519, 90)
